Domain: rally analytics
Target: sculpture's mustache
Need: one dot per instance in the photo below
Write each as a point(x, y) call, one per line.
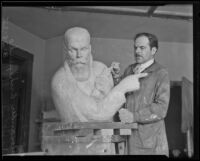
point(80, 62)
point(74, 62)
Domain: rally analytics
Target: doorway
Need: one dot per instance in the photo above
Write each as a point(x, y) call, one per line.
point(16, 98)
point(176, 139)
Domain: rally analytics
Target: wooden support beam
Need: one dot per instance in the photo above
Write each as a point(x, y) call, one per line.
point(104, 132)
point(26, 154)
point(120, 10)
point(151, 10)
point(73, 132)
point(112, 132)
point(125, 132)
point(52, 128)
point(87, 139)
point(175, 17)
point(92, 125)
point(106, 10)
point(121, 148)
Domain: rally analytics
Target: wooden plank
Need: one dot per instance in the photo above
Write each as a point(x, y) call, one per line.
point(85, 132)
point(87, 139)
point(126, 146)
point(121, 148)
point(88, 125)
point(26, 154)
point(112, 132)
point(104, 132)
point(91, 148)
point(125, 132)
point(74, 132)
point(74, 139)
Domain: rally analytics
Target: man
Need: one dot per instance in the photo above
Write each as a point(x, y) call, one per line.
point(147, 106)
point(82, 89)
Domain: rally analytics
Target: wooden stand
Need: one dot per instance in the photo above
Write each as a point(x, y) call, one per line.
point(85, 138)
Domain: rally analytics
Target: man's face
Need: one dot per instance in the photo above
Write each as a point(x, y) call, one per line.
point(142, 49)
point(79, 50)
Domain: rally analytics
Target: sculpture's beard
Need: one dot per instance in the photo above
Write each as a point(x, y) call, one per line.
point(80, 70)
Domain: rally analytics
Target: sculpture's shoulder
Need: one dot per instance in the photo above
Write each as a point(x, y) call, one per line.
point(58, 77)
point(99, 68)
point(103, 78)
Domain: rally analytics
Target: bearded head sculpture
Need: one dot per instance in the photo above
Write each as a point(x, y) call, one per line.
point(77, 50)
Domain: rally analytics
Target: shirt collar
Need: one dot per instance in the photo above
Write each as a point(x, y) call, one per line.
point(146, 64)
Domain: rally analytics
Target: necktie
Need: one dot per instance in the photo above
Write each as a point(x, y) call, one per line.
point(137, 69)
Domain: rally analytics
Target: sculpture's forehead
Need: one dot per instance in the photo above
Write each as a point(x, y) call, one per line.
point(78, 38)
point(78, 35)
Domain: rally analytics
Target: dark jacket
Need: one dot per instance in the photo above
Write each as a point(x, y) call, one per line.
point(149, 105)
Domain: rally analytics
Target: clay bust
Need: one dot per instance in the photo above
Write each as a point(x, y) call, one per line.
point(83, 89)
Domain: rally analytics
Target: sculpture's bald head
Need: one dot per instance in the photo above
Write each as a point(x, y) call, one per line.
point(77, 42)
point(77, 34)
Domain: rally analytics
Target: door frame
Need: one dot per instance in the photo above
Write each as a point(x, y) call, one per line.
point(25, 59)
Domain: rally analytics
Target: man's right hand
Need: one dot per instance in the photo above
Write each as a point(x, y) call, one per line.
point(131, 83)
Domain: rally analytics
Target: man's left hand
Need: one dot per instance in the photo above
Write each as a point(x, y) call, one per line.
point(126, 116)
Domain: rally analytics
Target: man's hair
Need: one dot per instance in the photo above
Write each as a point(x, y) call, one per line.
point(153, 40)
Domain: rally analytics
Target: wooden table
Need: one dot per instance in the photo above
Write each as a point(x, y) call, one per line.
point(85, 138)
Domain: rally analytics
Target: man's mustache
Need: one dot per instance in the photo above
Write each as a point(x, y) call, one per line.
point(138, 56)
